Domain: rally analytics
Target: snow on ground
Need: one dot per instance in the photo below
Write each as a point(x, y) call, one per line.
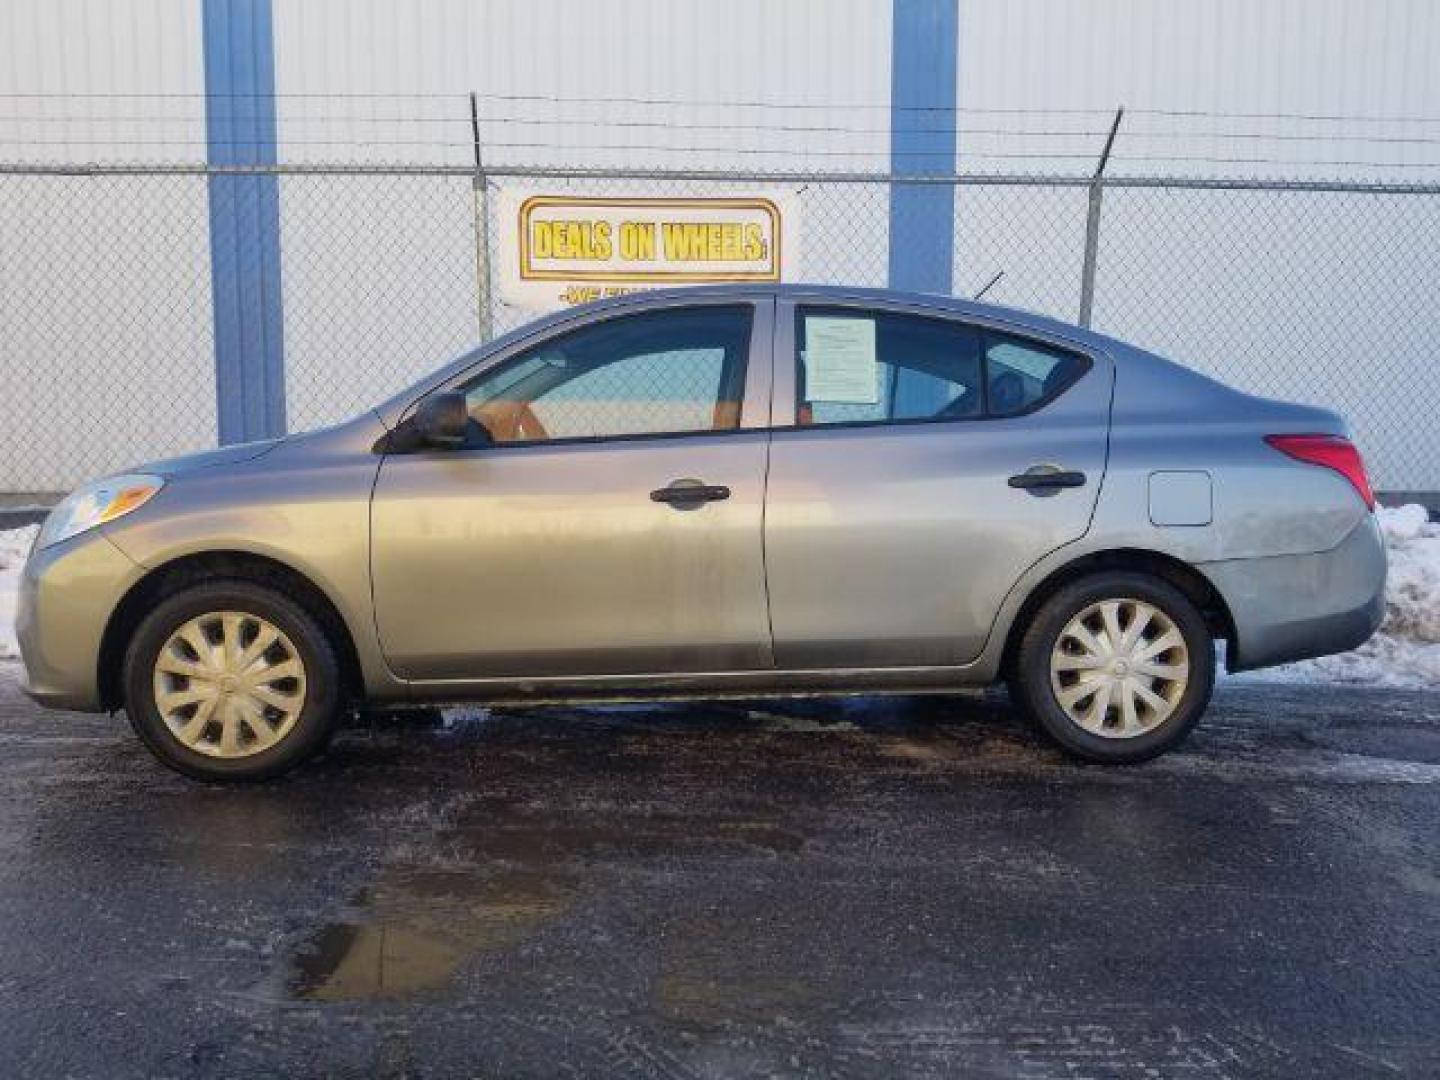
point(14, 547)
point(1406, 651)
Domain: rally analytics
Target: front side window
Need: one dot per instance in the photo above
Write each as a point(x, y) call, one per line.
point(878, 367)
point(664, 372)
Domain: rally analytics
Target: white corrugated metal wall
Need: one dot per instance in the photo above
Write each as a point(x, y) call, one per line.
point(1289, 88)
point(1033, 61)
point(637, 84)
point(113, 80)
point(64, 67)
point(561, 81)
point(1320, 298)
point(1196, 72)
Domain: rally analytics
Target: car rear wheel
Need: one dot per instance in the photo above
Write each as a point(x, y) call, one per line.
point(1116, 667)
point(231, 681)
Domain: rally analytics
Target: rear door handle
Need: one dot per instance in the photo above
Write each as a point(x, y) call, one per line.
point(689, 494)
point(1046, 479)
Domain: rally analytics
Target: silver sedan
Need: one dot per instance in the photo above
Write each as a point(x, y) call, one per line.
point(742, 491)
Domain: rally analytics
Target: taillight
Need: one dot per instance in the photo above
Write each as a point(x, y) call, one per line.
point(1330, 451)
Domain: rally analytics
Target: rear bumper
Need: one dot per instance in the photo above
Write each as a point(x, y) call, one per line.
point(67, 594)
point(1293, 607)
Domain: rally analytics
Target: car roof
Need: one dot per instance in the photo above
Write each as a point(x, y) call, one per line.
point(802, 291)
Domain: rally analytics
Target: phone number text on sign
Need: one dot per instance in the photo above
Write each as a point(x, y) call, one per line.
point(561, 250)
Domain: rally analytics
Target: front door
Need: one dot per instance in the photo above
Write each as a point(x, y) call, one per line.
point(609, 524)
point(915, 475)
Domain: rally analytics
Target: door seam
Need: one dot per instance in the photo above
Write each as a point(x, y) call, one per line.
point(765, 485)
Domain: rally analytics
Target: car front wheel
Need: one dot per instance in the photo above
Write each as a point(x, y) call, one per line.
point(231, 680)
point(1116, 667)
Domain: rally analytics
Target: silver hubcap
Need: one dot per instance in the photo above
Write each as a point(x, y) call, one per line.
point(229, 684)
point(1119, 668)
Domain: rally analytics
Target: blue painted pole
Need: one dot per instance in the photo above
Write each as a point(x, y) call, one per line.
point(922, 143)
point(925, 39)
point(244, 220)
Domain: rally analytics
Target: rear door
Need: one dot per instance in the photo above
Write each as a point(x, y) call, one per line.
point(919, 464)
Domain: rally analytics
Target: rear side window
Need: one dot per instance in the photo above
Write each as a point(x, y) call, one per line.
point(880, 367)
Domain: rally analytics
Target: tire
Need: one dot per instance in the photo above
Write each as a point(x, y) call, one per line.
point(271, 739)
point(1146, 730)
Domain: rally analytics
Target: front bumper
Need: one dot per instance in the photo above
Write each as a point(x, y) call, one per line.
point(1293, 607)
point(67, 594)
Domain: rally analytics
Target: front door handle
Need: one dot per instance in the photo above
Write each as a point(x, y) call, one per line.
point(1046, 479)
point(689, 494)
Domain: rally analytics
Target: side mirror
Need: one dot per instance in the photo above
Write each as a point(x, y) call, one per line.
point(443, 421)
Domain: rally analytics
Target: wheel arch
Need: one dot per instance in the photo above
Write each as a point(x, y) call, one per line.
point(192, 569)
point(1196, 587)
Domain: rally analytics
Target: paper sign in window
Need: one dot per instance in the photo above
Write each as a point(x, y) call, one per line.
point(840, 361)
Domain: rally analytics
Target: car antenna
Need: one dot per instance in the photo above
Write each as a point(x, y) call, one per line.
point(989, 285)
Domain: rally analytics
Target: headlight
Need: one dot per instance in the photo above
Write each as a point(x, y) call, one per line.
point(96, 503)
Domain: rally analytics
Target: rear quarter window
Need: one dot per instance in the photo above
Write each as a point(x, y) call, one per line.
point(1021, 375)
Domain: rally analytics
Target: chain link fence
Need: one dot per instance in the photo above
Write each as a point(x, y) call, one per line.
point(1324, 296)
point(1324, 293)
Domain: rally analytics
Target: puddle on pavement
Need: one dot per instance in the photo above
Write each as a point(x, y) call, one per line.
point(412, 931)
point(506, 867)
point(416, 928)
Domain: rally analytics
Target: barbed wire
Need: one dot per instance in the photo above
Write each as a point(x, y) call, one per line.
point(827, 129)
point(801, 178)
point(200, 141)
point(948, 120)
point(730, 103)
point(596, 99)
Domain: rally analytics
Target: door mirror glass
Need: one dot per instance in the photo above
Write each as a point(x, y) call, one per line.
point(442, 421)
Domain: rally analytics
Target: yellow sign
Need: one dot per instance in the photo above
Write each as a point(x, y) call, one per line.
point(558, 250)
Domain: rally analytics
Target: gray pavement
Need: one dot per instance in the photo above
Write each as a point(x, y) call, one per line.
point(916, 887)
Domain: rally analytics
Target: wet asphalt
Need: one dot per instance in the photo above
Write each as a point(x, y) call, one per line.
point(876, 888)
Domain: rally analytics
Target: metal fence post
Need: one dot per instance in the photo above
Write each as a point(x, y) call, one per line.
point(1092, 226)
point(480, 186)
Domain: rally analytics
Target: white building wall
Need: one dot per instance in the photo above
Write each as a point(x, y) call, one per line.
point(1318, 298)
point(632, 84)
point(101, 80)
point(105, 310)
point(627, 83)
point(1321, 71)
point(108, 306)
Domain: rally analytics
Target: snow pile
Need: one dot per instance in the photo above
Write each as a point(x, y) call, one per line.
point(1406, 650)
point(14, 547)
